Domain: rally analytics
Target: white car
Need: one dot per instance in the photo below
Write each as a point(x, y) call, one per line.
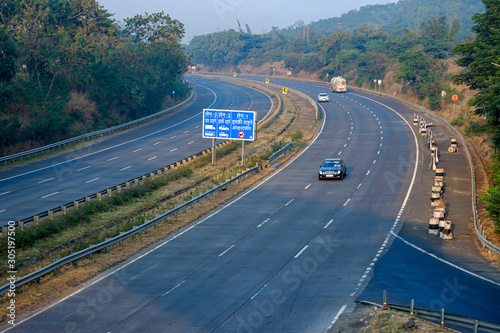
point(323, 97)
point(224, 135)
point(223, 128)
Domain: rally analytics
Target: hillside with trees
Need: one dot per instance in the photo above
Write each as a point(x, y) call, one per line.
point(67, 68)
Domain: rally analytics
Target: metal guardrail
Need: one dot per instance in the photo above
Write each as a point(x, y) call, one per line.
point(280, 152)
point(443, 317)
point(92, 135)
point(119, 239)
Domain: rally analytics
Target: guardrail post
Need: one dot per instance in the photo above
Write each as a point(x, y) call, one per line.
point(121, 241)
point(412, 304)
point(385, 298)
point(20, 225)
point(87, 200)
point(98, 195)
point(36, 218)
point(127, 185)
point(476, 325)
point(118, 188)
point(75, 263)
point(63, 210)
point(144, 178)
point(4, 230)
point(51, 214)
point(136, 181)
point(109, 192)
point(76, 204)
point(107, 247)
point(152, 175)
point(442, 316)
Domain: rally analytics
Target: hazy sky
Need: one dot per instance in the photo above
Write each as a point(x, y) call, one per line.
point(203, 17)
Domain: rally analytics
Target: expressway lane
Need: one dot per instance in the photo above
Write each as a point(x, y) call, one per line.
point(286, 255)
point(36, 187)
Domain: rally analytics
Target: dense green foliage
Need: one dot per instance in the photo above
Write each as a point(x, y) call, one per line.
point(361, 56)
point(481, 57)
point(403, 14)
point(67, 68)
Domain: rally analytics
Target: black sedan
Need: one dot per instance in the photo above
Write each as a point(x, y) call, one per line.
point(332, 168)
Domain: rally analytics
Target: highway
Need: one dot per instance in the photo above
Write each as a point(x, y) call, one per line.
point(39, 186)
point(291, 253)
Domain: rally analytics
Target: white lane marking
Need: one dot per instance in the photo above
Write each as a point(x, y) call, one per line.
point(173, 137)
point(126, 168)
point(46, 180)
point(223, 253)
point(258, 292)
point(347, 202)
point(190, 143)
point(114, 158)
point(307, 187)
point(157, 143)
point(173, 288)
point(345, 145)
point(374, 161)
point(340, 153)
point(49, 195)
point(92, 180)
point(173, 149)
point(186, 131)
point(358, 186)
point(368, 172)
point(135, 151)
point(197, 126)
point(289, 202)
point(300, 252)
point(328, 224)
point(3, 210)
point(445, 261)
point(83, 168)
point(260, 225)
point(378, 153)
point(152, 158)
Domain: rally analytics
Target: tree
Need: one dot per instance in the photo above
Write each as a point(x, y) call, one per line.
point(478, 58)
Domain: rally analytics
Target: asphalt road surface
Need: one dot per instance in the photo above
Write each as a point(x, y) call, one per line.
point(290, 254)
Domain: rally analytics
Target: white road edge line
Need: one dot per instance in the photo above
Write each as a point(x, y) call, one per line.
point(307, 187)
point(347, 202)
point(444, 261)
point(260, 225)
point(300, 252)
point(289, 202)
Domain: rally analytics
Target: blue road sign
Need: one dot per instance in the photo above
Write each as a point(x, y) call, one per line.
point(229, 124)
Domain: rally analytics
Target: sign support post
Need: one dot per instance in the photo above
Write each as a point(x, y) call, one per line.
point(243, 157)
point(213, 151)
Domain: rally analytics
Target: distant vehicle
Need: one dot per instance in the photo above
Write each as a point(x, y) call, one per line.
point(332, 168)
point(210, 127)
point(223, 128)
point(323, 97)
point(338, 84)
